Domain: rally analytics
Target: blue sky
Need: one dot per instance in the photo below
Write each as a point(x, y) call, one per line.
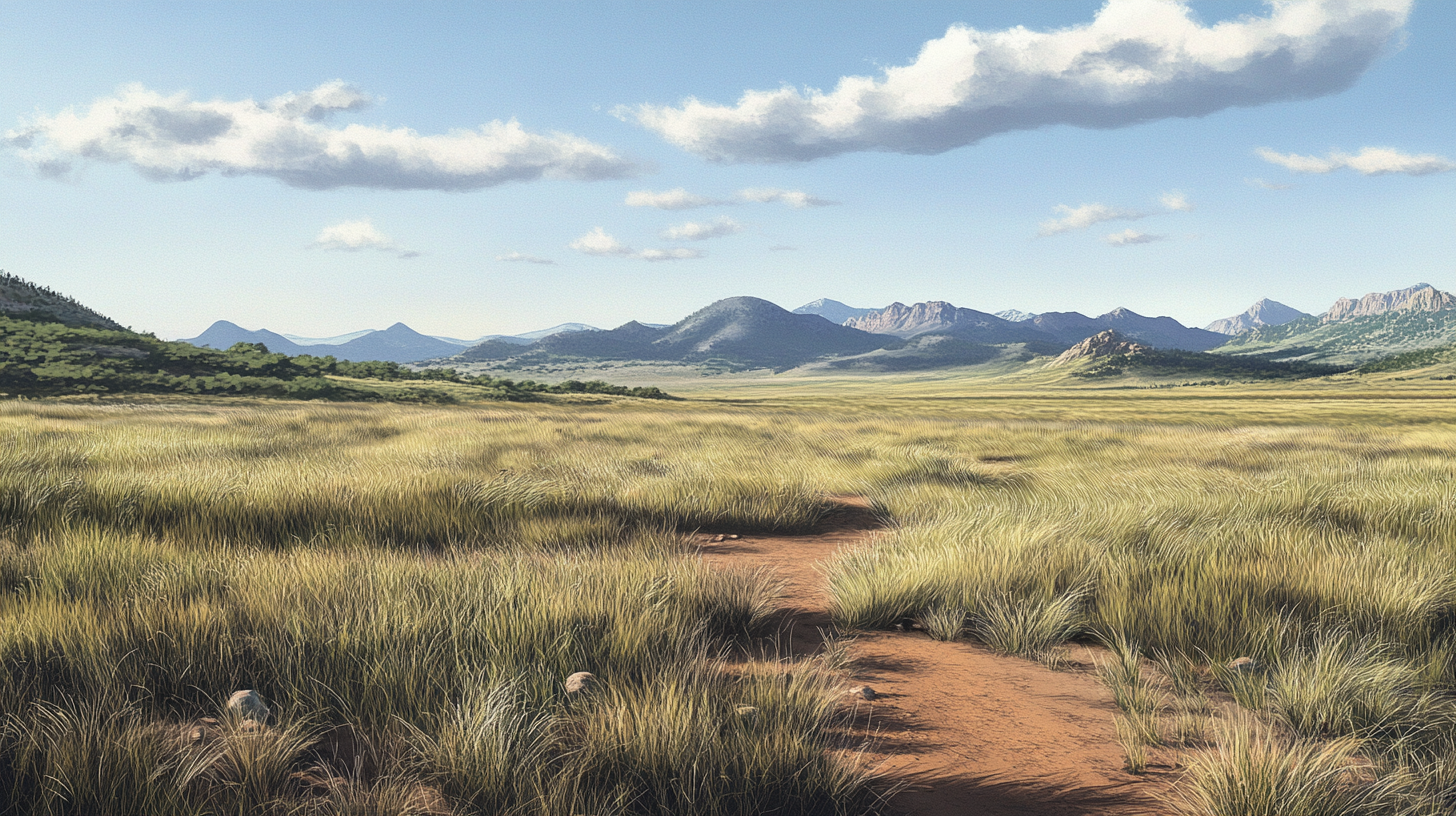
point(928, 190)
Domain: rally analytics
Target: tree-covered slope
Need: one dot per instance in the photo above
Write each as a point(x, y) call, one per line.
point(1348, 342)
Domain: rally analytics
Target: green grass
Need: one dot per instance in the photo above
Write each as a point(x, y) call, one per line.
point(426, 577)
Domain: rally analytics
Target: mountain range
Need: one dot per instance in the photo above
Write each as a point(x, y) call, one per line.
point(1264, 313)
point(396, 344)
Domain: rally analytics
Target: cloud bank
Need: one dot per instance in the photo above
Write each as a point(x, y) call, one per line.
point(518, 257)
point(1132, 237)
point(1370, 161)
point(353, 236)
point(702, 231)
point(1076, 218)
point(680, 199)
point(1137, 61)
point(599, 242)
point(1176, 201)
point(175, 138)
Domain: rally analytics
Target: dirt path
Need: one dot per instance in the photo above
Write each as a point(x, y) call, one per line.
point(958, 729)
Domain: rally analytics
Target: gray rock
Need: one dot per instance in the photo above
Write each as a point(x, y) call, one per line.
point(863, 692)
point(249, 705)
point(580, 682)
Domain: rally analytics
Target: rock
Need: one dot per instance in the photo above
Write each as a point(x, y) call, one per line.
point(580, 682)
point(249, 705)
point(747, 712)
point(863, 692)
point(1243, 664)
point(917, 626)
point(717, 539)
point(733, 537)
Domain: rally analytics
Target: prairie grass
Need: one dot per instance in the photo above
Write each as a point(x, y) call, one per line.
point(427, 577)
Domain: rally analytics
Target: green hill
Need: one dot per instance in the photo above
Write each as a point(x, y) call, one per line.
point(1348, 342)
point(52, 345)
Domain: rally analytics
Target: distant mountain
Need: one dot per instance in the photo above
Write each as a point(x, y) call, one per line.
point(396, 344)
point(1159, 332)
point(24, 300)
point(738, 330)
point(832, 310)
point(223, 335)
point(1354, 332)
point(1061, 329)
point(1422, 297)
point(1014, 315)
point(337, 339)
point(1264, 313)
point(558, 329)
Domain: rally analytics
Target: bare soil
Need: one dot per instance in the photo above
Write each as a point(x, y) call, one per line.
point(956, 729)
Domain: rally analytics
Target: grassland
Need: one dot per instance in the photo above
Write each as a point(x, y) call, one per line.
point(423, 579)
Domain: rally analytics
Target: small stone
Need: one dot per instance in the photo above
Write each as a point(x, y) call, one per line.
point(717, 539)
point(899, 627)
point(733, 537)
point(747, 712)
point(917, 626)
point(579, 682)
point(249, 705)
point(1243, 664)
point(863, 692)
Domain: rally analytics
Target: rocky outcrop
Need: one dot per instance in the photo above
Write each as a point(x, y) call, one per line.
point(1422, 297)
point(1103, 344)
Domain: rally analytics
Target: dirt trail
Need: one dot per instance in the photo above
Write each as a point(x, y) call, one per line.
point(957, 729)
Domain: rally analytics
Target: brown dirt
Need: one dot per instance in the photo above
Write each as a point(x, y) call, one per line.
point(957, 729)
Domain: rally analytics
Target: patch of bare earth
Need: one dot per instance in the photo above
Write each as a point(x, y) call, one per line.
point(954, 728)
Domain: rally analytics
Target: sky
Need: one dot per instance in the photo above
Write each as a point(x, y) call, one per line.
point(481, 168)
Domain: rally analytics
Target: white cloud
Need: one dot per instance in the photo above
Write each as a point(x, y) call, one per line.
point(1137, 61)
point(678, 199)
point(1131, 237)
point(1075, 218)
point(701, 231)
point(599, 242)
point(1176, 201)
point(673, 254)
point(174, 138)
point(518, 257)
point(1267, 185)
point(353, 236)
point(797, 199)
point(1370, 161)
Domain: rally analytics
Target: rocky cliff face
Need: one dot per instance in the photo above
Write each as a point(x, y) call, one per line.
point(906, 321)
point(1103, 344)
point(1422, 297)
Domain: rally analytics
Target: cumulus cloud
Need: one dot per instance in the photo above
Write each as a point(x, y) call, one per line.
point(1137, 61)
point(353, 236)
point(1176, 201)
point(701, 231)
point(176, 138)
point(797, 199)
point(1370, 161)
point(1075, 218)
point(1130, 237)
point(678, 199)
point(599, 242)
point(518, 257)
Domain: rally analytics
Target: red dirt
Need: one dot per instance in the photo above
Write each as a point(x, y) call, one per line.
point(957, 729)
